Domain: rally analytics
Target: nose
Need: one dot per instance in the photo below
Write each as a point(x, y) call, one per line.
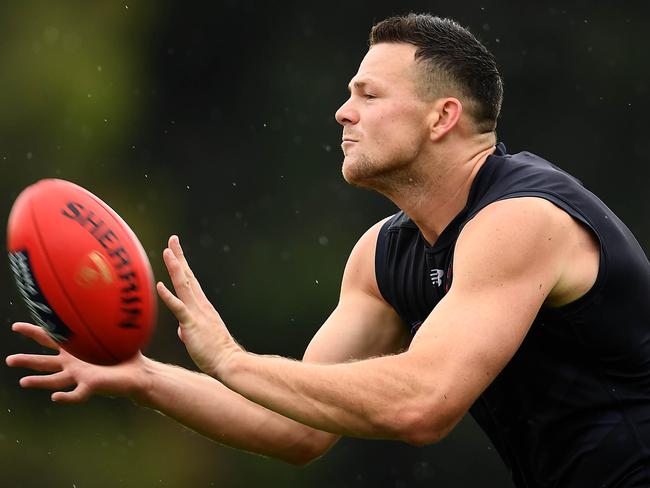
point(346, 114)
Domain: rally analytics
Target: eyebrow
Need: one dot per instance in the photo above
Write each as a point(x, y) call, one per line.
point(359, 85)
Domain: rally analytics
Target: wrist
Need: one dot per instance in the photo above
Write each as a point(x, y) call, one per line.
point(142, 389)
point(228, 363)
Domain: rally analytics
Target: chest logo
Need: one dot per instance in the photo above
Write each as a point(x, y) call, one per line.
point(436, 276)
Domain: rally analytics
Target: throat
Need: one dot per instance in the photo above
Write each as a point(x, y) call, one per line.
point(433, 200)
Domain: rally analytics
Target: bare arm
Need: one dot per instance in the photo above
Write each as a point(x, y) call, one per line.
point(205, 405)
point(508, 260)
point(361, 326)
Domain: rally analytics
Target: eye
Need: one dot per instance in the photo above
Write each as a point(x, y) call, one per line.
point(369, 96)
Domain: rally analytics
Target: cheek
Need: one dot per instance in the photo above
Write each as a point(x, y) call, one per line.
point(399, 132)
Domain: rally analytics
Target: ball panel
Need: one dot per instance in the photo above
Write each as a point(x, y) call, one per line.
point(139, 261)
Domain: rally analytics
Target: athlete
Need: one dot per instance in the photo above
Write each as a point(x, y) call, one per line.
point(503, 287)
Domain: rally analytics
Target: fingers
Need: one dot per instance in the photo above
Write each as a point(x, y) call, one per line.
point(54, 381)
point(175, 245)
point(181, 283)
point(80, 394)
point(176, 306)
point(37, 362)
point(35, 333)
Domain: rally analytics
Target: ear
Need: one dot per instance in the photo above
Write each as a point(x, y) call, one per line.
point(445, 116)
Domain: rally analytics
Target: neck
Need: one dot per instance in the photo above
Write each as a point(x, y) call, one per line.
point(436, 188)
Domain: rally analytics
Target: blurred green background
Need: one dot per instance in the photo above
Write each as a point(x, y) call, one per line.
point(214, 120)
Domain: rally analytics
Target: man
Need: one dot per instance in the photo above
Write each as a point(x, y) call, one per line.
point(503, 287)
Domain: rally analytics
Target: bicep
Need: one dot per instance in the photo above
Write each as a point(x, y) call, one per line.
point(362, 325)
point(505, 265)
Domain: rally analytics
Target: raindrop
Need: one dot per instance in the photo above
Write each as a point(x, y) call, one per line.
point(323, 240)
point(234, 183)
point(317, 282)
point(264, 124)
point(29, 155)
point(146, 175)
point(99, 68)
point(51, 35)
point(90, 95)
point(187, 186)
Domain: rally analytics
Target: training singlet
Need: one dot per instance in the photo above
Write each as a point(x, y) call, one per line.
point(572, 407)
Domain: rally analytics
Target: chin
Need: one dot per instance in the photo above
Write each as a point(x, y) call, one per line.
point(382, 176)
point(356, 173)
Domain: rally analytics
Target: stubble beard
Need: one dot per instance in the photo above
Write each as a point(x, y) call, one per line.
point(387, 178)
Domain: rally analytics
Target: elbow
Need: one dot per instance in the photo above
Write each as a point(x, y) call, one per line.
point(420, 425)
point(314, 445)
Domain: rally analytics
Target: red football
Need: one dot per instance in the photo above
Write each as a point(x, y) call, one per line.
point(81, 271)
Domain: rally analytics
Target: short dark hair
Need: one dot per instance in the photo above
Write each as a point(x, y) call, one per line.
point(453, 58)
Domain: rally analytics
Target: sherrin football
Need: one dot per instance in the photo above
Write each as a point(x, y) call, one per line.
point(81, 271)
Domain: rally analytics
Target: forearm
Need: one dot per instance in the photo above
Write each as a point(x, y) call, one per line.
point(208, 407)
point(360, 399)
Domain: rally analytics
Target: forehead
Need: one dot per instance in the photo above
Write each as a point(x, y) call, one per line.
point(387, 63)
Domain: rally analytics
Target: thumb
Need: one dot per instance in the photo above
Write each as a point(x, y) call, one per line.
point(80, 394)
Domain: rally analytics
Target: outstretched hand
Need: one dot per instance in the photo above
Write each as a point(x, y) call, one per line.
point(199, 325)
point(66, 372)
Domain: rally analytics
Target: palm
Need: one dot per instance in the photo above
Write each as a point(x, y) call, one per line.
point(200, 327)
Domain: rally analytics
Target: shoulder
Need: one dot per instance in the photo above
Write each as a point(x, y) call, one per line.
point(360, 268)
point(368, 240)
point(514, 238)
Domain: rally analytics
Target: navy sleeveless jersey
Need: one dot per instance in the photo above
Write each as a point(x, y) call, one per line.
point(572, 407)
